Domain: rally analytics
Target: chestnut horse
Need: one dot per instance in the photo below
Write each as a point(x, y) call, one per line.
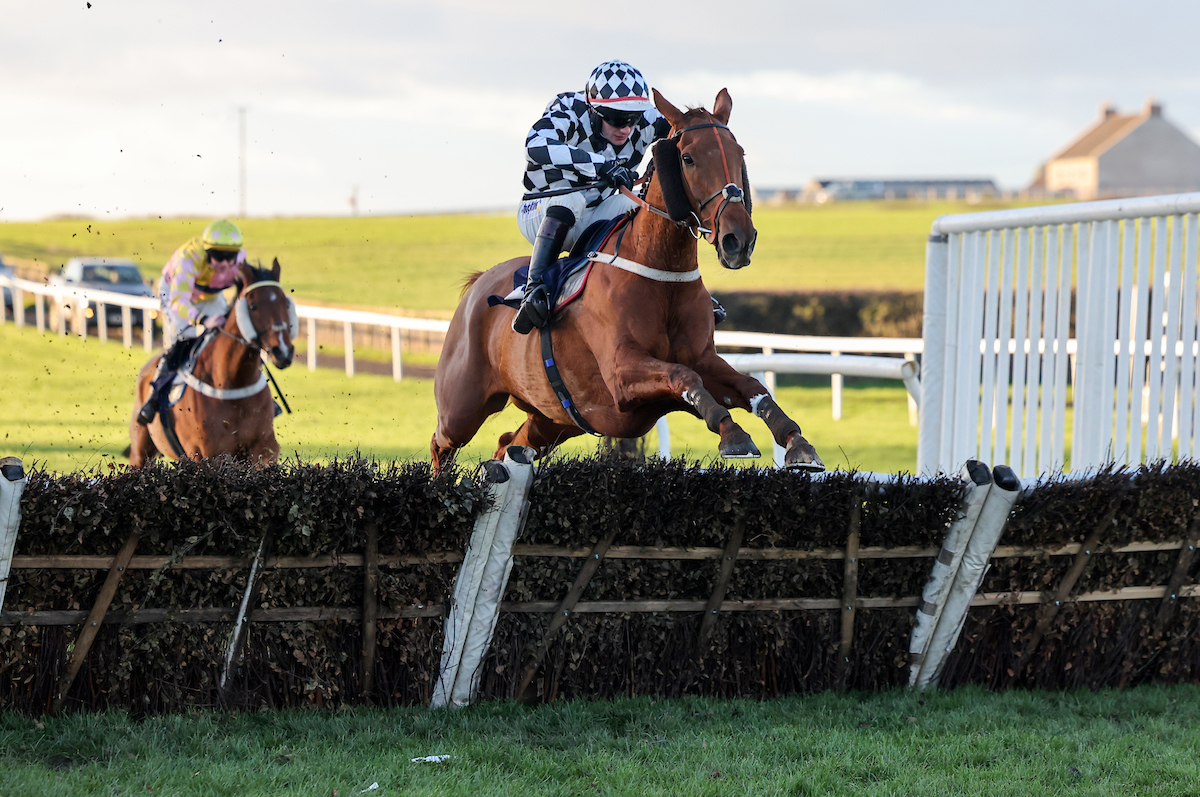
point(226, 408)
point(639, 342)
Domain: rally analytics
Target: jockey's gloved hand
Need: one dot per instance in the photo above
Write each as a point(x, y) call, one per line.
point(615, 174)
point(214, 321)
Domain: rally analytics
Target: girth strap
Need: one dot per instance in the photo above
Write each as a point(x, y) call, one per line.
point(557, 385)
point(231, 394)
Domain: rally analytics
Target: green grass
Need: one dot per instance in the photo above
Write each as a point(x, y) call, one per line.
point(73, 399)
point(960, 743)
point(418, 263)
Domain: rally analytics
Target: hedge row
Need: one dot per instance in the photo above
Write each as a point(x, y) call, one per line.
point(886, 314)
point(222, 508)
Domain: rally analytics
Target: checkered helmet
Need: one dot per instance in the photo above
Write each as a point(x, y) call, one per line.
point(617, 85)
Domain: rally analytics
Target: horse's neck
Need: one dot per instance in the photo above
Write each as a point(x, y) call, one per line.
point(230, 363)
point(659, 242)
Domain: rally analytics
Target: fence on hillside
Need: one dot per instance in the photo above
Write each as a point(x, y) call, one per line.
point(1000, 329)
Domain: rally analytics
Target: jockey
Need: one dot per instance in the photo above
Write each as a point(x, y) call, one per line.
point(597, 135)
point(191, 291)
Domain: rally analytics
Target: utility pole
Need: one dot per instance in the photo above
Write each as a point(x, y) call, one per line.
point(242, 161)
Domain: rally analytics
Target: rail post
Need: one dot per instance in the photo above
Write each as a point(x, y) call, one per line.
point(933, 365)
point(12, 484)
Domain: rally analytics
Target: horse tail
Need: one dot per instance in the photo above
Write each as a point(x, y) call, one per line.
point(468, 282)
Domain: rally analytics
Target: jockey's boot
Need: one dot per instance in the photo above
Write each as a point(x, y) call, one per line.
point(535, 306)
point(718, 310)
point(168, 364)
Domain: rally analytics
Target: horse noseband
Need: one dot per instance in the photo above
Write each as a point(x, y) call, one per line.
point(731, 193)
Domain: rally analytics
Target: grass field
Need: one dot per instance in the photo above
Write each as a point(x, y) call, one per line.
point(418, 263)
point(961, 743)
point(68, 403)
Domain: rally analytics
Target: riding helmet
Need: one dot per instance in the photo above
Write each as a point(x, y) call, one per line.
point(617, 85)
point(222, 235)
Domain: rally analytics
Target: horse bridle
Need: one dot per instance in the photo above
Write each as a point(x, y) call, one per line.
point(730, 191)
point(242, 316)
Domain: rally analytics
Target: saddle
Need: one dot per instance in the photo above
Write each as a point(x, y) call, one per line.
point(566, 278)
point(178, 386)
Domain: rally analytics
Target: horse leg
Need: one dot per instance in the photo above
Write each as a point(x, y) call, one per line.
point(457, 425)
point(735, 389)
point(636, 380)
point(539, 433)
point(141, 446)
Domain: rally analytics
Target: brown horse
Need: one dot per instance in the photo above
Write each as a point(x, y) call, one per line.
point(636, 345)
point(237, 415)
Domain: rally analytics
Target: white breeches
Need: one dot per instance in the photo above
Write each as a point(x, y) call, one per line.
point(531, 213)
point(176, 327)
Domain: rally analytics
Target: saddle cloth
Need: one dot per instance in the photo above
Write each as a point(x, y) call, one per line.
point(567, 276)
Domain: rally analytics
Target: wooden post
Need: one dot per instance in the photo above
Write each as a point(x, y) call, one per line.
point(1166, 609)
point(1083, 561)
point(237, 635)
point(563, 611)
point(91, 626)
point(709, 621)
point(370, 608)
point(849, 592)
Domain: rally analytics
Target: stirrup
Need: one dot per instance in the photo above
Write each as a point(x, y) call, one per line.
point(148, 411)
point(534, 310)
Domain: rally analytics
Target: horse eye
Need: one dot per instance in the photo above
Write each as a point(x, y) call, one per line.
point(688, 159)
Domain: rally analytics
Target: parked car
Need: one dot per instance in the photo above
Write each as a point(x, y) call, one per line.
point(105, 274)
point(7, 271)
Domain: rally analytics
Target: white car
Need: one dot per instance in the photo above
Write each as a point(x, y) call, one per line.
point(117, 275)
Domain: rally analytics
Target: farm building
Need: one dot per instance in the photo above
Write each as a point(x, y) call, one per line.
point(1123, 155)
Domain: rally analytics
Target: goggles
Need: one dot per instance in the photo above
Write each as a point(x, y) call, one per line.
point(219, 256)
point(618, 119)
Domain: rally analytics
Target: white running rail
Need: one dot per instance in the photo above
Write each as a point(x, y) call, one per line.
point(1002, 342)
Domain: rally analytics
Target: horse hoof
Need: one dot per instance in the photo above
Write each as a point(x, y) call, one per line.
point(738, 446)
point(802, 456)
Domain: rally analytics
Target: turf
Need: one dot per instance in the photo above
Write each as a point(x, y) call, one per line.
point(961, 743)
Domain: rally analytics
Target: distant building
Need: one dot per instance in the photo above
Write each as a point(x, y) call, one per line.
point(1123, 155)
point(834, 189)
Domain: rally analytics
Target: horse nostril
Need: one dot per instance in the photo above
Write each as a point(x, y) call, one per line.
point(730, 244)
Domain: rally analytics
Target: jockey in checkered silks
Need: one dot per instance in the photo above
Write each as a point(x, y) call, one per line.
point(193, 299)
point(598, 135)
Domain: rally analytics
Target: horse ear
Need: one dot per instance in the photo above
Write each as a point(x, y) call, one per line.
point(275, 270)
point(722, 106)
point(670, 179)
point(669, 111)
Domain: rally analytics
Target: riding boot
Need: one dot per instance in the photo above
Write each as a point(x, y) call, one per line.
point(718, 310)
point(535, 306)
point(168, 364)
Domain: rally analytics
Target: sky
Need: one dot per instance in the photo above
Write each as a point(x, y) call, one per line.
point(129, 108)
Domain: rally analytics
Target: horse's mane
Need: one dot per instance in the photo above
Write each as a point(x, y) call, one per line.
point(259, 274)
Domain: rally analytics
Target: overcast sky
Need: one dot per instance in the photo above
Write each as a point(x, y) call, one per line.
point(130, 108)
